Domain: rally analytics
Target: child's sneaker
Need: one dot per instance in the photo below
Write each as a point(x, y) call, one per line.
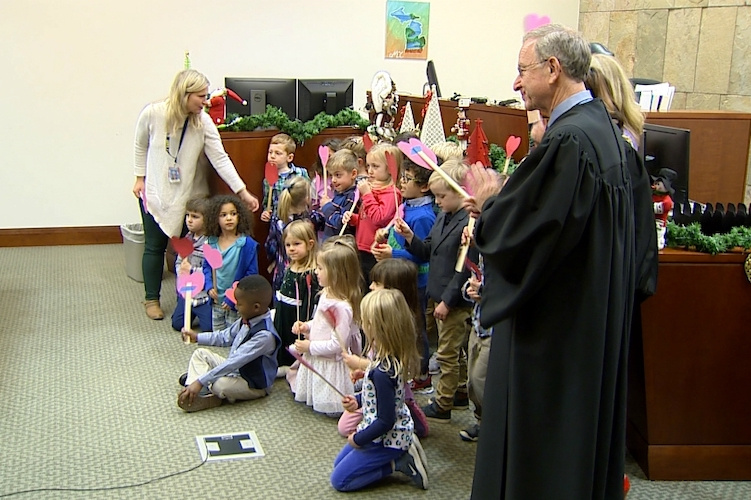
point(282, 371)
point(433, 367)
point(422, 386)
point(183, 379)
point(470, 434)
point(411, 465)
point(199, 403)
point(433, 412)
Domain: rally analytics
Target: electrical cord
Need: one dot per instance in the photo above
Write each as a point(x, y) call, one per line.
point(108, 488)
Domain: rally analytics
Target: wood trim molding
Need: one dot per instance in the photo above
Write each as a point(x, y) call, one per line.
point(52, 236)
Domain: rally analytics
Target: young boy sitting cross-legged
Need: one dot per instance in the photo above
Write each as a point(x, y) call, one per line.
point(250, 369)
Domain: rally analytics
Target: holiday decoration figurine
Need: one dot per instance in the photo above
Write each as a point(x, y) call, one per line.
point(217, 107)
point(383, 104)
point(461, 128)
point(662, 189)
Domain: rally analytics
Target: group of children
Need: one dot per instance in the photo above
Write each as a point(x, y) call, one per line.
point(373, 223)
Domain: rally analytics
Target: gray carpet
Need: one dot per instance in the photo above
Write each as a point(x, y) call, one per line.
point(89, 390)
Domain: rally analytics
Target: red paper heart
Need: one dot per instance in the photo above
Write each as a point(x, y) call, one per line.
point(393, 168)
point(270, 173)
point(367, 142)
point(183, 246)
point(512, 144)
point(230, 292)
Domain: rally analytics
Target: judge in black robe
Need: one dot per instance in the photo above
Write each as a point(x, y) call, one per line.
point(558, 243)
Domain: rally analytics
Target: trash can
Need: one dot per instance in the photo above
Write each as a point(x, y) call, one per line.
point(133, 244)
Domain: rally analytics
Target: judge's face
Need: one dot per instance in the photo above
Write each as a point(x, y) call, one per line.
point(197, 100)
point(532, 81)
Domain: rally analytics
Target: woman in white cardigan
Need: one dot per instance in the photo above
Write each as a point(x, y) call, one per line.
point(175, 143)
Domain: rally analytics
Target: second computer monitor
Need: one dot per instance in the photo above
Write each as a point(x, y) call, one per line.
point(260, 92)
point(329, 96)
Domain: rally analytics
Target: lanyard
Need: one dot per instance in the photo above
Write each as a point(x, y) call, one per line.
point(180, 144)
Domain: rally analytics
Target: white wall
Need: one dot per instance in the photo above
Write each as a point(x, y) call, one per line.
point(76, 73)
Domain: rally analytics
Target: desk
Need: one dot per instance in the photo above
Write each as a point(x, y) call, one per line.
point(718, 154)
point(689, 401)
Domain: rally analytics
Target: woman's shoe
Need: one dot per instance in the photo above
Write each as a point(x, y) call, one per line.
point(153, 309)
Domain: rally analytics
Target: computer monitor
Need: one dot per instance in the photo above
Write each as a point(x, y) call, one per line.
point(278, 92)
point(314, 96)
point(668, 147)
point(433, 78)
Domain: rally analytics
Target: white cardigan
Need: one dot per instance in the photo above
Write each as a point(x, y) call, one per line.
point(165, 200)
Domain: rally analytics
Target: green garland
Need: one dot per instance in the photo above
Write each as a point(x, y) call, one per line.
point(275, 118)
point(691, 237)
point(498, 159)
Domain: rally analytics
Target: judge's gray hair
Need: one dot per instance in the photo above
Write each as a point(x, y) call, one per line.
point(568, 46)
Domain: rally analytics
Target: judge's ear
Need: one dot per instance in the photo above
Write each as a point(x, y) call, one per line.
point(553, 67)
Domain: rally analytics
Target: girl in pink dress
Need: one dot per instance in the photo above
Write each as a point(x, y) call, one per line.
point(333, 330)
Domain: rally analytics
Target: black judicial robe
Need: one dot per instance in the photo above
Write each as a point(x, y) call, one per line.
point(559, 246)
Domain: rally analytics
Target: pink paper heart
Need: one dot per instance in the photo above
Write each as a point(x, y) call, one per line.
point(367, 142)
point(230, 292)
point(323, 154)
point(532, 21)
point(411, 150)
point(212, 256)
point(512, 144)
point(183, 246)
point(401, 211)
point(193, 282)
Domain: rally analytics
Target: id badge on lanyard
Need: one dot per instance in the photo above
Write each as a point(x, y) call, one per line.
point(173, 174)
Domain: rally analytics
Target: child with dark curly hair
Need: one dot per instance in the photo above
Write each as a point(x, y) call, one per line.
point(228, 227)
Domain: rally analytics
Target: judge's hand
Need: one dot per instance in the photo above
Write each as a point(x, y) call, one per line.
point(250, 200)
point(484, 183)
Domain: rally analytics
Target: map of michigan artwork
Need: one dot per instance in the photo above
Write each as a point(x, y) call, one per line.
point(407, 28)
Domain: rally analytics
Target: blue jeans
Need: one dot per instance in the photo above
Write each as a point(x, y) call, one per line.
point(222, 318)
point(355, 468)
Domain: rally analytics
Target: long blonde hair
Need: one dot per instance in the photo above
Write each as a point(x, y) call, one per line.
point(294, 194)
point(608, 81)
point(379, 153)
point(385, 319)
point(186, 82)
point(304, 231)
point(342, 265)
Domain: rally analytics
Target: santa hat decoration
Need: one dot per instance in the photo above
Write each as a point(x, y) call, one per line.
point(432, 127)
point(408, 120)
point(236, 97)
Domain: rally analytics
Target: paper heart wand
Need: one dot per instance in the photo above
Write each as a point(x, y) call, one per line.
point(183, 246)
point(367, 142)
point(214, 259)
point(350, 211)
point(512, 144)
point(271, 174)
point(421, 155)
point(323, 154)
point(464, 248)
point(309, 282)
point(307, 365)
point(230, 293)
point(394, 172)
point(186, 285)
point(297, 304)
